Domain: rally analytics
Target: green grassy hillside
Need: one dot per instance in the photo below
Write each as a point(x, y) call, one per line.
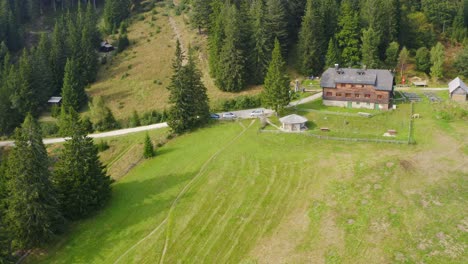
point(228, 194)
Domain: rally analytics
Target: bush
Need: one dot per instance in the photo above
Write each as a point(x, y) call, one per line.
point(49, 129)
point(102, 146)
point(122, 43)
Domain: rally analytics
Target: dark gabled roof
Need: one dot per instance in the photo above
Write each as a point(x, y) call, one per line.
point(381, 79)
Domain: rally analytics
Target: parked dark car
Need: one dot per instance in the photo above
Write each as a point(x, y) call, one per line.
point(214, 116)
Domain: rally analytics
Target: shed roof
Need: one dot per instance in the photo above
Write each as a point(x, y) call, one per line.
point(457, 82)
point(55, 100)
point(381, 79)
point(293, 119)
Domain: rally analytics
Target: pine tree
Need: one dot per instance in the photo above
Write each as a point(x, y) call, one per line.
point(201, 11)
point(370, 50)
point(348, 35)
point(276, 94)
point(5, 236)
point(73, 92)
point(33, 216)
point(333, 54)
point(80, 178)
point(259, 55)
point(277, 24)
point(231, 75)
point(149, 149)
point(423, 60)
point(41, 75)
point(403, 60)
point(89, 64)
point(58, 55)
point(187, 95)
point(24, 99)
point(391, 55)
point(69, 121)
point(216, 36)
point(311, 41)
point(10, 117)
point(437, 61)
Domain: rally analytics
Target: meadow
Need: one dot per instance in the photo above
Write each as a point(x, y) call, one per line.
point(229, 194)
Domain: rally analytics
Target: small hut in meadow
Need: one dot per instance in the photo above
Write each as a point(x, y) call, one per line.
point(458, 90)
point(293, 123)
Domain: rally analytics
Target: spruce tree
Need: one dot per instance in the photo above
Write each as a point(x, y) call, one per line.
point(437, 61)
point(69, 121)
point(423, 60)
point(200, 98)
point(58, 55)
point(80, 178)
point(259, 55)
point(391, 55)
point(24, 98)
point(277, 24)
point(42, 75)
point(73, 92)
point(33, 216)
point(5, 236)
point(348, 35)
point(10, 117)
point(201, 11)
point(333, 54)
point(148, 149)
point(276, 93)
point(370, 50)
point(231, 75)
point(216, 36)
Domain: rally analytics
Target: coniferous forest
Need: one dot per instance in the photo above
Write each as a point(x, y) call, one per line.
point(250, 42)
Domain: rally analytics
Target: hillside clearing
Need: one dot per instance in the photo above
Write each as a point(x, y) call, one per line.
point(276, 198)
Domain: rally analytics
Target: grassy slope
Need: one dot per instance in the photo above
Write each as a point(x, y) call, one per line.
point(286, 198)
point(137, 78)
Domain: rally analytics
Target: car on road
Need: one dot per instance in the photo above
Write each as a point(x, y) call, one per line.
point(214, 116)
point(257, 113)
point(229, 116)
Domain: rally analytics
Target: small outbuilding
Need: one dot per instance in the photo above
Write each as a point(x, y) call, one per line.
point(106, 47)
point(293, 123)
point(55, 100)
point(458, 90)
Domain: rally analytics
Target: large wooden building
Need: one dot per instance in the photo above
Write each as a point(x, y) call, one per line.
point(357, 88)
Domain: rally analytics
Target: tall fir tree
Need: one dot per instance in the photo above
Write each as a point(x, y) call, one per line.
point(437, 61)
point(58, 55)
point(216, 36)
point(5, 236)
point(259, 55)
point(311, 41)
point(10, 117)
point(370, 50)
point(276, 93)
point(201, 12)
point(80, 178)
point(42, 75)
point(231, 75)
point(348, 35)
point(73, 93)
point(33, 216)
point(277, 24)
point(391, 55)
point(148, 148)
point(333, 54)
point(24, 98)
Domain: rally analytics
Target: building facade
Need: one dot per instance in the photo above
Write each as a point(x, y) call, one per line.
point(357, 88)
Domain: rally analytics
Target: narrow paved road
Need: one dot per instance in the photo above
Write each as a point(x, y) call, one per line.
point(240, 114)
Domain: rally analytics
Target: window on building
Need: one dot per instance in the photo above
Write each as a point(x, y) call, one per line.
point(329, 93)
point(367, 95)
point(357, 95)
point(347, 95)
point(379, 96)
point(358, 103)
point(338, 94)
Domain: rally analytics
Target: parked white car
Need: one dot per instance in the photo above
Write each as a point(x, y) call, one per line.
point(257, 113)
point(229, 116)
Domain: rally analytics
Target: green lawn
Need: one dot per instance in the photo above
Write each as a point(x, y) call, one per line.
point(252, 197)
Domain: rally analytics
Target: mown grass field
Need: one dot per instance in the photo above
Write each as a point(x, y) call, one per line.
point(228, 194)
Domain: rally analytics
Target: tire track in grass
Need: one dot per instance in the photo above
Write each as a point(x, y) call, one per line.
point(207, 222)
point(194, 179)
point(250, 217)
point(181, 193)
point(215, 236)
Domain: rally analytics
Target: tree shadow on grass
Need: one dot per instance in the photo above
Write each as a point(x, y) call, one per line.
point(135, 209)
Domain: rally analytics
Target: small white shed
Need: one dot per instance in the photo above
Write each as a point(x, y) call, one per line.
point(458, 90)
point(293, 123)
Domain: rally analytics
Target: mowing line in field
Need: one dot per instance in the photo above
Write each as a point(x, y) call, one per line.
point(178, 197)
point(215, 236)
point(185, 189)
point(255, 208)
point(208, 222)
